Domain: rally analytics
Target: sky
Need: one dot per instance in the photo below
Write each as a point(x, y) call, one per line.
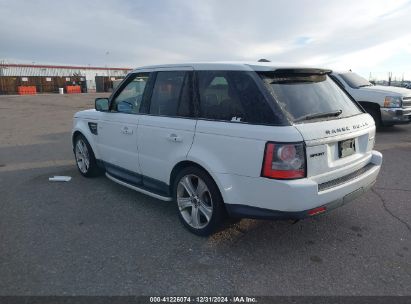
point(364, 36)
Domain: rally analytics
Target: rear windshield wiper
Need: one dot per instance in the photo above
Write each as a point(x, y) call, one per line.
point(319, 115)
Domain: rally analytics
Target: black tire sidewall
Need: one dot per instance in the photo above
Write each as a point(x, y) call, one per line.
point(376, 115)
point(218, 215)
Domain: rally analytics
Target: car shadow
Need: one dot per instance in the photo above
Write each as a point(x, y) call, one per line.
point(392, 129)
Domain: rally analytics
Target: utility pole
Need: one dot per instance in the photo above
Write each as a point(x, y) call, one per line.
point(108, 74)
point(389, 78)
point(2, 66)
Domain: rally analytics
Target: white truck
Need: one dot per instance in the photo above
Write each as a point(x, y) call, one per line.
point(387, 105)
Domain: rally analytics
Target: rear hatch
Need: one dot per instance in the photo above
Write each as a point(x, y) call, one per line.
point(337, 147)
point(339, 136)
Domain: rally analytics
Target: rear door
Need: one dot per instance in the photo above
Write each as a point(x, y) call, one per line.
point(337, 147)
point(166, 130)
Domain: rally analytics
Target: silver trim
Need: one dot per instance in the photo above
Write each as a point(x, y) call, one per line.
point(160, 197)
point(346, 178)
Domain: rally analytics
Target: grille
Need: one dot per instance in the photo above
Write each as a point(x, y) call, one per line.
point(343, 179)
point(406, 101)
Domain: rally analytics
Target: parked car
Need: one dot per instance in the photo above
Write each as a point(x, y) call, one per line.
point(243, 140)
point(387, 105)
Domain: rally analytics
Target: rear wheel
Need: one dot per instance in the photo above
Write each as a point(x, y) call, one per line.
point(199, 202)
point(85, 159)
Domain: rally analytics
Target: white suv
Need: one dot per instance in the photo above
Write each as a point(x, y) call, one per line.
point(243, 140)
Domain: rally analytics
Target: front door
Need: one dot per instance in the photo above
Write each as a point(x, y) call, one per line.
point(118, 130)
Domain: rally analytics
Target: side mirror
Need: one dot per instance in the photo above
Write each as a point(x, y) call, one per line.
point(102, 104)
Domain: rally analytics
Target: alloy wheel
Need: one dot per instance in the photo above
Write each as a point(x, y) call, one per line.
point(82, 156)
point(194, 201)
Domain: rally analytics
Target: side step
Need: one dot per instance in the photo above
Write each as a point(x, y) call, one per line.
point(160, 197)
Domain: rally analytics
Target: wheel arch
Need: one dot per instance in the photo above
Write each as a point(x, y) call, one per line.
point(370, 105)
point(77, 132)
point(189, 163)
point(74, 135)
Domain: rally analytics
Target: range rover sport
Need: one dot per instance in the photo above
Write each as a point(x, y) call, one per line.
point(246, 140)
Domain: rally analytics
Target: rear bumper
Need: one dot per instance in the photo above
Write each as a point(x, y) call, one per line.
point(243, 211)
point(248, 197)
point(395, 115)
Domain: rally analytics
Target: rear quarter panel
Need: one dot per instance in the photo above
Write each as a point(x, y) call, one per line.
point(236, 148)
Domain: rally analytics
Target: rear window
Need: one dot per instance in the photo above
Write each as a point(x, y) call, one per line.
point(309, 96)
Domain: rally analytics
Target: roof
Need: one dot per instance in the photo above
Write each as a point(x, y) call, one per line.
point(228, 65)
point(14, 65)
point(341, 71)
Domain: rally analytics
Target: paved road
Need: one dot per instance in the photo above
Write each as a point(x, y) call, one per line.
point(94, 237)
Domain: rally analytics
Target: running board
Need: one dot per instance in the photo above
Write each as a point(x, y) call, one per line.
point(160, 197)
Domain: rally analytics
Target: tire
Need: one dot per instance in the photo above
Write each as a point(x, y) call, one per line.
point(200, 206)
point(376, 115)
point(84, 156)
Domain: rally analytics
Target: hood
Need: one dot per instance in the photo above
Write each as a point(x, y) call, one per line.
point(86, 114)
point(389, 91)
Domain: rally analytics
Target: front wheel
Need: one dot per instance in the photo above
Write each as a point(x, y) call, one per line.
point(199, 202)
point(85, 159)
point(376, 115)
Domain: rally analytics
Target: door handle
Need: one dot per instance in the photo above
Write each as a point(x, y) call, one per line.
point(175, 138)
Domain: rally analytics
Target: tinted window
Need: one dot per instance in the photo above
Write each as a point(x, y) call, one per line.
point(354, 80)
point(233, 96)
point(130, 97)
point(303, 94)
point(172, 94)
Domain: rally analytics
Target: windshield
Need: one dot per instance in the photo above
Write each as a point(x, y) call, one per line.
point(355, 81)
point(308, 97)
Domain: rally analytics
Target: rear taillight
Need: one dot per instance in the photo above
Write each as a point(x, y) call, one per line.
point(284, 161)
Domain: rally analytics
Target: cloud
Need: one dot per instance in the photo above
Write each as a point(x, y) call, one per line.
point(362, 35)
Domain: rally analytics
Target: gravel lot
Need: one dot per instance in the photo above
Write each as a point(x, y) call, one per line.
point(94, 237)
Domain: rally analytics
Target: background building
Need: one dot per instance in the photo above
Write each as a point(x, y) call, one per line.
point(49, 78)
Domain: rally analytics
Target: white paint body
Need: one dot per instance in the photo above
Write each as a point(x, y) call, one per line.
point(232, 153)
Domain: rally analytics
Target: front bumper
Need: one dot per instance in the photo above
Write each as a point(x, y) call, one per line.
point(248, 197)
point(396, 115)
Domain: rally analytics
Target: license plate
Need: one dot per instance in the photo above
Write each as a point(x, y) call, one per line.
point(346, 147)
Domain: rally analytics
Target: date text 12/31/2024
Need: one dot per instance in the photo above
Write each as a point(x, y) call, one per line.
point(201, 299)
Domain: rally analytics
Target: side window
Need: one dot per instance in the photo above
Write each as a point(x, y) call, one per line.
point(233, 96)
point(218, 98)
point(172, 94)
point(130, 97)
